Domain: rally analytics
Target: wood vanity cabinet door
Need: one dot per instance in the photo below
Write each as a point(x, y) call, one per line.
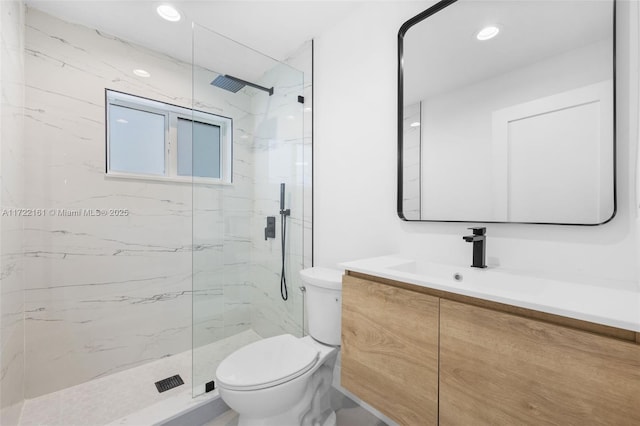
point(390, 349)
point(501, 369)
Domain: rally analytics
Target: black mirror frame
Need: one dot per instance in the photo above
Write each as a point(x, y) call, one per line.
point(399, 207)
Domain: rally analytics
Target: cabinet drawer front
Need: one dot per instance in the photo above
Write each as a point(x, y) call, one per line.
point(502, 369)
point(390, 349)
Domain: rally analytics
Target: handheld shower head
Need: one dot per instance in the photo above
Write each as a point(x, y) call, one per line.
point(284, 212)
point(282, 196)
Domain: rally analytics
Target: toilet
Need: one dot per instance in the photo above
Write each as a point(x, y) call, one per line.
point(285, 380)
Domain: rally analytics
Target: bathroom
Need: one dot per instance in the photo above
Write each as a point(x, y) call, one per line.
point(88, 299)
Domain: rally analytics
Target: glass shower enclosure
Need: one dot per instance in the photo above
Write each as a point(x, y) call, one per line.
point(248, 212)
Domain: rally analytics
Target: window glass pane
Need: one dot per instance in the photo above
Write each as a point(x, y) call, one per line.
point(136, 141)
point(202, 157)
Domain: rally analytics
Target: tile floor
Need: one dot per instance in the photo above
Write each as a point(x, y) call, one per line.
point(110, 398)
point(348, 413)
point(124, 398)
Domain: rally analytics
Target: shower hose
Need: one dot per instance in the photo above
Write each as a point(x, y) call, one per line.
point(283, 278)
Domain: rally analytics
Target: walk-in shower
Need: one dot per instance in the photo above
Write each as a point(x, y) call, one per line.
point(134, 274)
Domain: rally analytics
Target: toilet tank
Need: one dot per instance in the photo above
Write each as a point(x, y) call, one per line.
point(323, 302)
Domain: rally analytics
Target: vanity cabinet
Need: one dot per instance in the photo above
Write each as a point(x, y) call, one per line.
point(427, 357)
point(501, 369)
point(390, 349)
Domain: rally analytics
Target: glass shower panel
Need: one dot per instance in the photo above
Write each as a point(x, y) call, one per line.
point(278, 159)
point(236, 269)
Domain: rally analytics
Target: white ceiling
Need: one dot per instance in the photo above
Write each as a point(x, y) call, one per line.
point(274, 27)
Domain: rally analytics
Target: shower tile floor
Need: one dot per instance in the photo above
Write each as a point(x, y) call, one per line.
point(104, 400)
point(124, 398)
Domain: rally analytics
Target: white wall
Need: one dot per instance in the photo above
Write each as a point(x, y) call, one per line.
point(11, 198)
point(355, 166)
point(355, 133)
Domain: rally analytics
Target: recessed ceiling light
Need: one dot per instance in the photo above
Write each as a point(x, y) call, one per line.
point(487, 33)
point(141, 73)
point(415, 124)
point(168, 12)
point(122, 120)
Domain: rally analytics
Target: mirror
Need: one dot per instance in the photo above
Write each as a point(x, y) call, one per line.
point(506, 112)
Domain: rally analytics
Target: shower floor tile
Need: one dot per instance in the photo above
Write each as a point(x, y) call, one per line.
point(103, 400)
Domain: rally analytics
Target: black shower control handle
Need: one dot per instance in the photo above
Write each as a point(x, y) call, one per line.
point(270, 230)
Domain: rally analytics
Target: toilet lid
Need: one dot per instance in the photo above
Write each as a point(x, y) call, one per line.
point(266, 363)
point(322, 277)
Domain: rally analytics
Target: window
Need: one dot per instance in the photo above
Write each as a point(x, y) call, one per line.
point(206, 140)
point(147, 139)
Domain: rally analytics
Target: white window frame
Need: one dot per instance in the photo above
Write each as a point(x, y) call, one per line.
point(172, 113)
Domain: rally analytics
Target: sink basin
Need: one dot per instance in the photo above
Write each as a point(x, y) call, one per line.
point(451, 277)
point(434, 270)
point(488, 279)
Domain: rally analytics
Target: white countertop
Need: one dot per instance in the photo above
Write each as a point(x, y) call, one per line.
point(616, 304)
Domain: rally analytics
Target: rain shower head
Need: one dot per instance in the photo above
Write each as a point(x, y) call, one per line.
point(233, 84)
point(227, 83)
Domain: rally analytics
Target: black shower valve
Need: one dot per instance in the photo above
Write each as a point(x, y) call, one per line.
point(270, 230)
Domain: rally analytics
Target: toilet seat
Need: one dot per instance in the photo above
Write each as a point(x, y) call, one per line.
point(266, 363)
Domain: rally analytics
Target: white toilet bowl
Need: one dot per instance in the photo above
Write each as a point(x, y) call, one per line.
point(284, 380)
point(286, 386)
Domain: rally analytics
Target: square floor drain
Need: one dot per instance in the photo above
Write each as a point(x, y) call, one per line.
point(169, 383)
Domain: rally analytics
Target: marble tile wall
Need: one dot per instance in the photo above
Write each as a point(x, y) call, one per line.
point(11, 223)
point(107, 293)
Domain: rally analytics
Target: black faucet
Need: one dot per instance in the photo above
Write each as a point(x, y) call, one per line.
point(479, 240)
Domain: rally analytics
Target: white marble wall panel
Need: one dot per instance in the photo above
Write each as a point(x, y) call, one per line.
point(107, 293)
point(11, 197)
